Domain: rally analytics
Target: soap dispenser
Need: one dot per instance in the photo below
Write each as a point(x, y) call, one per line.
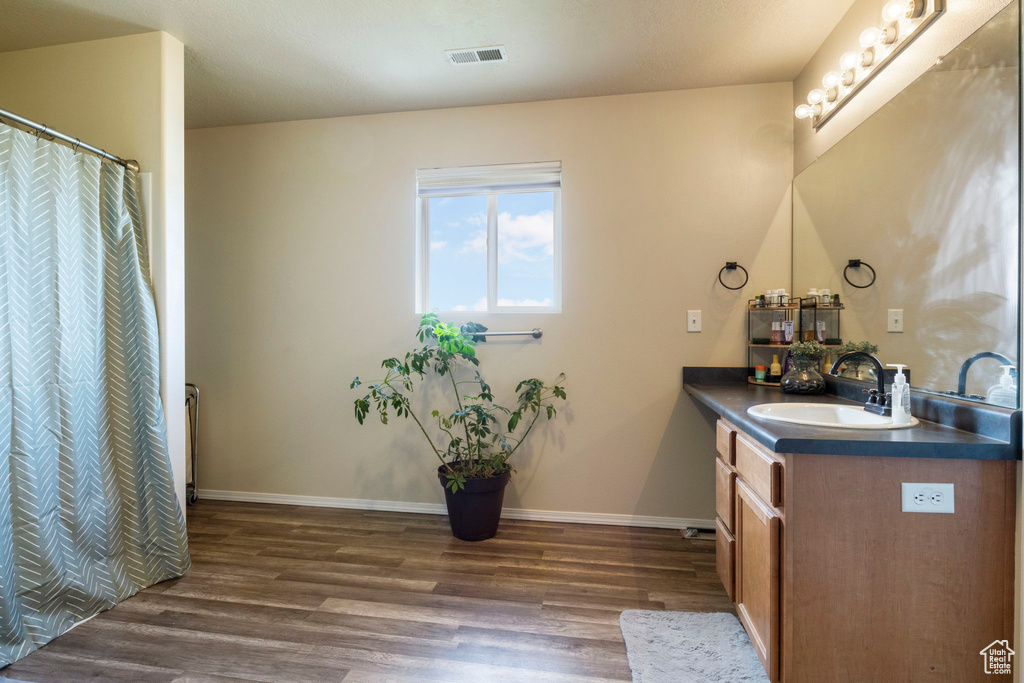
point(1004, 393)
point(901, 396)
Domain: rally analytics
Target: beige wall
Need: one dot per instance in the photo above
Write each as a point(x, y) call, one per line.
point(125, 95)
point(300, 267)
point(961, 19)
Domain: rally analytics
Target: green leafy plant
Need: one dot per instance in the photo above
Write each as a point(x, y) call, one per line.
point(807, 350)
point(477, 438)
point(865, 346)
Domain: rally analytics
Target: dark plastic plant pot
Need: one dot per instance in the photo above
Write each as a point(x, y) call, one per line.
point(475, 511)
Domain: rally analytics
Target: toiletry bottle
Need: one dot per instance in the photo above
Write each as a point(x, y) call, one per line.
point(901, 396)
point(826, 297)
point(787, 331)
point(1004, 393)
point(819, 331)
point(812, 297)
point(835, 300)
point(759, 372)
point(775, 371)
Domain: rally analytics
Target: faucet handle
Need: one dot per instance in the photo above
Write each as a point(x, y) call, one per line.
point(872, 395)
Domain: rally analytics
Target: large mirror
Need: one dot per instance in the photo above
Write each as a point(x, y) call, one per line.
point(926, 193)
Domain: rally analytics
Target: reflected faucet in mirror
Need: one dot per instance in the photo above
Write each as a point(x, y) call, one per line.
point(879, 400)
point(961, 385)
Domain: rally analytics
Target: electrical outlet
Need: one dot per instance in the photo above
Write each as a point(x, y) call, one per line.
point(928, 498)
point(693, 321)
point(895, 320)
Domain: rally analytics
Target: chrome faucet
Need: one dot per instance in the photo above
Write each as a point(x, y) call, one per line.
point(961, 385)
point(879, 400)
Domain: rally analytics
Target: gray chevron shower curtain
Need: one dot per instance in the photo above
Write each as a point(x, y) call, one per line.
point(88, 513)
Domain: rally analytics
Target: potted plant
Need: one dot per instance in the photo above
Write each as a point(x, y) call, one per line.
point(804, 377)
point(473, 441)
point(858, 368)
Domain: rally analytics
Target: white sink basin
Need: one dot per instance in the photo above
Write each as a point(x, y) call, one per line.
point(825, 415)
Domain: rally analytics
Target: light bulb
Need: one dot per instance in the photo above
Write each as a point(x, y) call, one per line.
point(816, 96)
point(804, 111)
point(870, 36)
point(895, 10)
point(831, 80)
point(848, 61)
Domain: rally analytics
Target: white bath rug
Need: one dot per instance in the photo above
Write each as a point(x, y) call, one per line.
point(689, 647)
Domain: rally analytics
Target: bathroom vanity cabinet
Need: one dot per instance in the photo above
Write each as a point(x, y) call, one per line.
point(834, 582)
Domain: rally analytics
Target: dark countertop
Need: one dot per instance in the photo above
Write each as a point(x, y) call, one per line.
point(730, 399)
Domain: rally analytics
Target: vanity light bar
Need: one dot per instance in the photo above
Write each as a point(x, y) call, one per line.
point(904, 21)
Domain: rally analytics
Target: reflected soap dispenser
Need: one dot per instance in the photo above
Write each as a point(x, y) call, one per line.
point(1004, 393)
point(900, 396)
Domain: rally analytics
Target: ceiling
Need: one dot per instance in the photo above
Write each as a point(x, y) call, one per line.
point(252, 61)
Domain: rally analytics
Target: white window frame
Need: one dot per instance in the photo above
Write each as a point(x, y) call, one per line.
point(423, 242)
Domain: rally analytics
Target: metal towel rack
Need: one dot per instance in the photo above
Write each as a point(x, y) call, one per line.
point(536, 333)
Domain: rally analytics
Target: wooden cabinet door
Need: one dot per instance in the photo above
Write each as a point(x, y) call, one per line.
point(757, 575)
point(725, 557)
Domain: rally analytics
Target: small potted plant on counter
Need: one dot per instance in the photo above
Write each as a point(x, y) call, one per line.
point(804, 377)
point(475, 440)
point(856, 368)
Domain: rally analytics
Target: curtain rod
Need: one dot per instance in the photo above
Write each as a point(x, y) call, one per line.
point(75, 143)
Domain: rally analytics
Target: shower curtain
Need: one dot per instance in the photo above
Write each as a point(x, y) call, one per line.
point(88, 513)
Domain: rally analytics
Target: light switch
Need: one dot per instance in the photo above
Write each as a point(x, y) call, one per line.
point(693, 321)
point(895, 320)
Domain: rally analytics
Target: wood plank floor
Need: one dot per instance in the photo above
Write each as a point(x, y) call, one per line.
point(281, 593)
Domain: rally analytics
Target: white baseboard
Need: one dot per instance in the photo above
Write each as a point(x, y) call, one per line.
point(438, 509)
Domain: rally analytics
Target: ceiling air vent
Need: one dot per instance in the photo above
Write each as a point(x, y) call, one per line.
point(477, 55)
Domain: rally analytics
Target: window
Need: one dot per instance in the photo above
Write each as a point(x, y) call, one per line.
point(489, 238)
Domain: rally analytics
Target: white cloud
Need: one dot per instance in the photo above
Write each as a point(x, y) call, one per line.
point(477, 219)
point(524, 302)
point(476, 244)
point(526, 237)
point(480, 305)
point(438, 245)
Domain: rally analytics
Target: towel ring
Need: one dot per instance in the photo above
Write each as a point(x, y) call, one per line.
point(857, 263)
point(732, 265)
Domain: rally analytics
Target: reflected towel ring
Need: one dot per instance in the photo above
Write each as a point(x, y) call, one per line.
point(732, 265)
point(857, 263)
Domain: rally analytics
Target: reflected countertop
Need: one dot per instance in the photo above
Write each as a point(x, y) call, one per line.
point(730, 400)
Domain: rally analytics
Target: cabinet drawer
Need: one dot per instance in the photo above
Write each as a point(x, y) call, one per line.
point(725, 557)
point(760, 469)
point(725, 493)
point(727, 442)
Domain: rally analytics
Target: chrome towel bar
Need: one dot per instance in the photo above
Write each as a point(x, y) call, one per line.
point(536, 333)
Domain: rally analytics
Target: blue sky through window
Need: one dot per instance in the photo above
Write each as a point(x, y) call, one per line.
point(526, 256)
point(458, 251)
